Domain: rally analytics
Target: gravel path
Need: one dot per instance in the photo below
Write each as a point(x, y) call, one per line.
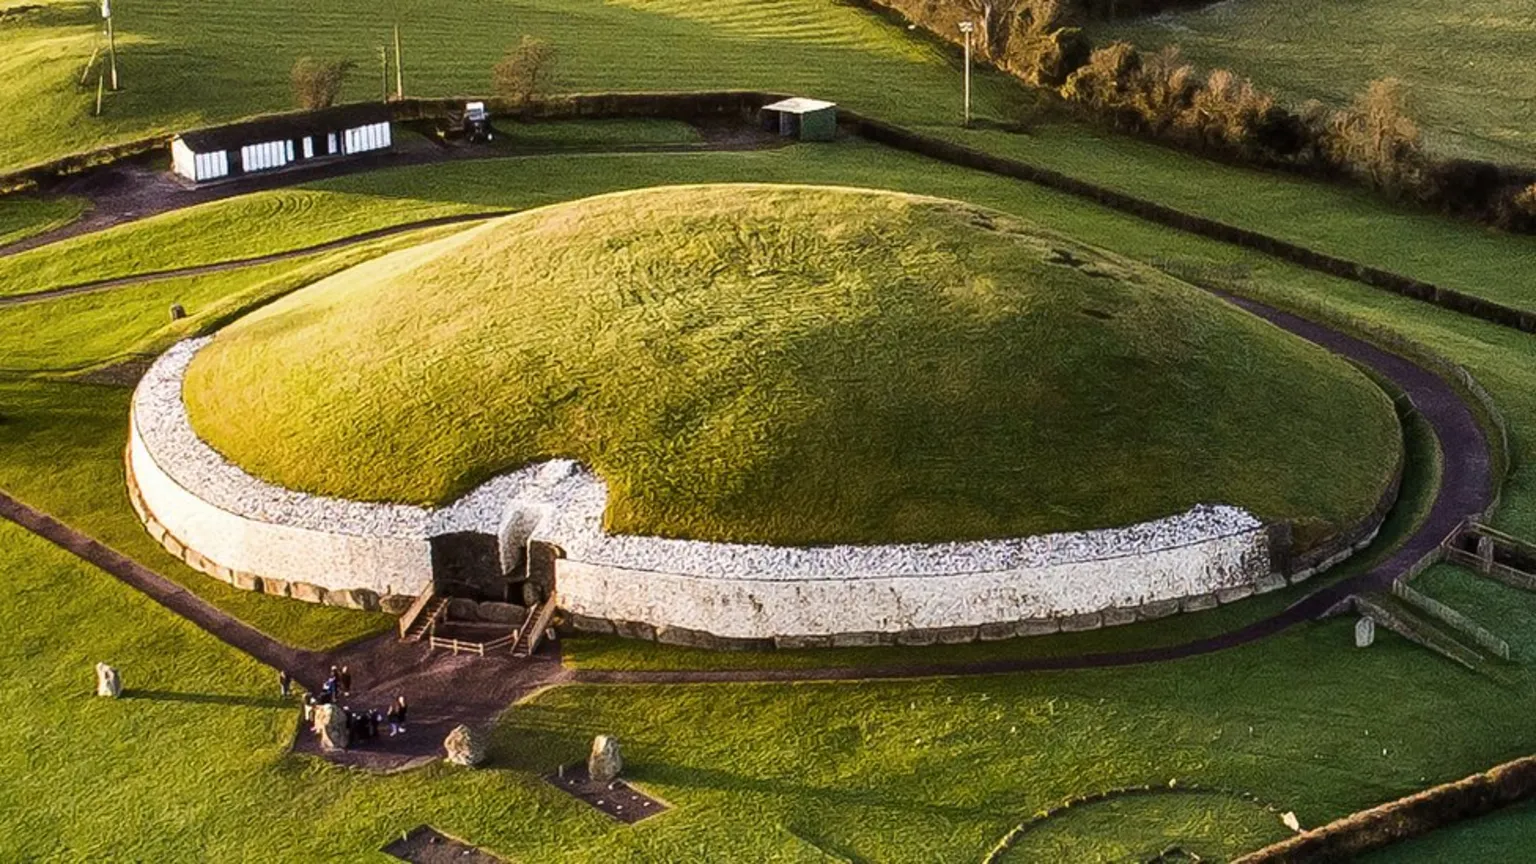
point(445, 690)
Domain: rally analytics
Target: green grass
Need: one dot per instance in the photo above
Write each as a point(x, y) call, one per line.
point(180, 68)
point(1421, 480)
point(1340, 220)
point(1503, 835)
point(192, 765)
point(80, 331)
point(899, 771)
point(1144, 826)
point(63, 446)
point(23, 216)
point(1466, 65)
point(515, 136)
point(206, 234)
point(794, 365)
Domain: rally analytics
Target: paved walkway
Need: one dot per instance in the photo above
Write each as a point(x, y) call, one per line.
point(445, 690)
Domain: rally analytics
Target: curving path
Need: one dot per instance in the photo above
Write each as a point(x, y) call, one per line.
point(446, 690)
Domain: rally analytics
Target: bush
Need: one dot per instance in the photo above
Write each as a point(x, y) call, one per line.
point(1375, 139)
point(317, 83)
point(526, 71)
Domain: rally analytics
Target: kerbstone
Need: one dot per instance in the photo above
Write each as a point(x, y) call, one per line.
point(1198, 603)
point(1079, 623)
point(795, 643)
point(1115, 616)
point(307, 592)
point(1272, 582)
point(635, 630)
point(1232, 595)
point(1038, 627)
point(1157, 609)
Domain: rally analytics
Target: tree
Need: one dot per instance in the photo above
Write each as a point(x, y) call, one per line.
point(317, 83)
point(526, 71)
point(1376, 139)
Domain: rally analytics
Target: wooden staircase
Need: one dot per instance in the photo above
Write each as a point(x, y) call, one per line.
point(532, 634)
point(418, 620)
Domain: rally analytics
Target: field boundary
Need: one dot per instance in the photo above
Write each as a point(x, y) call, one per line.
point(1412, 816)
point(686, 105)
point(1451, 299)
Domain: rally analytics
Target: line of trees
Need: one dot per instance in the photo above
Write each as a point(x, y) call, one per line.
point(1373, 140)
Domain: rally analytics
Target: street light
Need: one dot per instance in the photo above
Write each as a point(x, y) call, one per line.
point(967, 27)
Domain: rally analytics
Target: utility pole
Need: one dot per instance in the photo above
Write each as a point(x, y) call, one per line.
point(399, 73)
point(383, 72)
point(966, 27)
point(106, 12)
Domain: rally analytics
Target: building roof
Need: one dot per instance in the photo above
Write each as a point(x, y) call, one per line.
point(286, 126)
point(799, 105)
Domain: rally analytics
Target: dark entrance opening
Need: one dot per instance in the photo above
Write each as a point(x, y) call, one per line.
point(467, 564)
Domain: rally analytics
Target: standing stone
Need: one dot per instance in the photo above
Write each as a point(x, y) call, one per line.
point(178, 312)
point(1365, 633)
point(108, 682)
point(464, 746)
point(605, 763)
point(1290, 821)
point(331, 727)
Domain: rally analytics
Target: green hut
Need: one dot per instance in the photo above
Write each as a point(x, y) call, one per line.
point(798, 117)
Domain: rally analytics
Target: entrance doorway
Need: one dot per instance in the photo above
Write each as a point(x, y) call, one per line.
point(467, 564)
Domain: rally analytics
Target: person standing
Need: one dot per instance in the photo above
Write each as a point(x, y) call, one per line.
point(396, 717)
point(346, 681)
point(284, 683)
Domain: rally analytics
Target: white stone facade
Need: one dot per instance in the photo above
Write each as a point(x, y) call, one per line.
point(238, 522)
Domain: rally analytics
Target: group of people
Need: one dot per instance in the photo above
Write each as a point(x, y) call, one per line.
point(361, 725)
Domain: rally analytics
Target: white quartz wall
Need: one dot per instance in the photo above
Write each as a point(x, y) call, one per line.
point(749, 608)
point(384, 564)
point(239, 522)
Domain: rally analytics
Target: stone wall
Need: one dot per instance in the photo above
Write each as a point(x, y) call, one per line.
point(1072, 595)
point(256, 535)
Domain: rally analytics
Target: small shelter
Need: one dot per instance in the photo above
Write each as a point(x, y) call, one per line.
point(798, 117)
point(277, 142)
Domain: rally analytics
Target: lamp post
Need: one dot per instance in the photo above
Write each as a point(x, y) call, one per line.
point(967, 27)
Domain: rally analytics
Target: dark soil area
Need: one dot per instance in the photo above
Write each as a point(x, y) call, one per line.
point(618, 799)
point(427, 845)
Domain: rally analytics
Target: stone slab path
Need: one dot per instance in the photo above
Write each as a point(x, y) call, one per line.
point(445, 690)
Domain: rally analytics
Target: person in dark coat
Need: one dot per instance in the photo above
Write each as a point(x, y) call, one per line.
point(345, 677)
point(284, 682)
point(396, 716)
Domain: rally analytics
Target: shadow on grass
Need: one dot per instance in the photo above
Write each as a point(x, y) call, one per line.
point(210, 699)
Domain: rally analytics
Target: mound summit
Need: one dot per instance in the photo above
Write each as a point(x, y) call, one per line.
point(794, 365)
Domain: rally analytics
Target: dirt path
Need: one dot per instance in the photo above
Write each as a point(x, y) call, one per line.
point(445, 690)
point(238, 263)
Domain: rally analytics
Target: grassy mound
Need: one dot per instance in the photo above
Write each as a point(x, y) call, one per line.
point(793, 365)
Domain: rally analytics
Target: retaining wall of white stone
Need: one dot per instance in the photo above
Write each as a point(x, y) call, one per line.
point(255, 534)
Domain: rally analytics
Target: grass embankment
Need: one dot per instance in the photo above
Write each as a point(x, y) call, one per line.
point(62, 441)
point(1340, 220)
point(1466, 67)
point(900, 771)
point(23, 216)
point(192, 764)
point(795, 365)
point(180, 70)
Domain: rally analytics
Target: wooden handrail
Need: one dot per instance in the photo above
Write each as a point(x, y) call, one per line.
point(414, 612)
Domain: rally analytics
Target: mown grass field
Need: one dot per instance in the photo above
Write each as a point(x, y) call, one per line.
point(23, 216)
point(186, 63)
point(795, 365)
point(918, 771)
point(1467, 64)
point(900, 771)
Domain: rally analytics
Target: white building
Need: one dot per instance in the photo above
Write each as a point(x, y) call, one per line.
point(277, 142)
